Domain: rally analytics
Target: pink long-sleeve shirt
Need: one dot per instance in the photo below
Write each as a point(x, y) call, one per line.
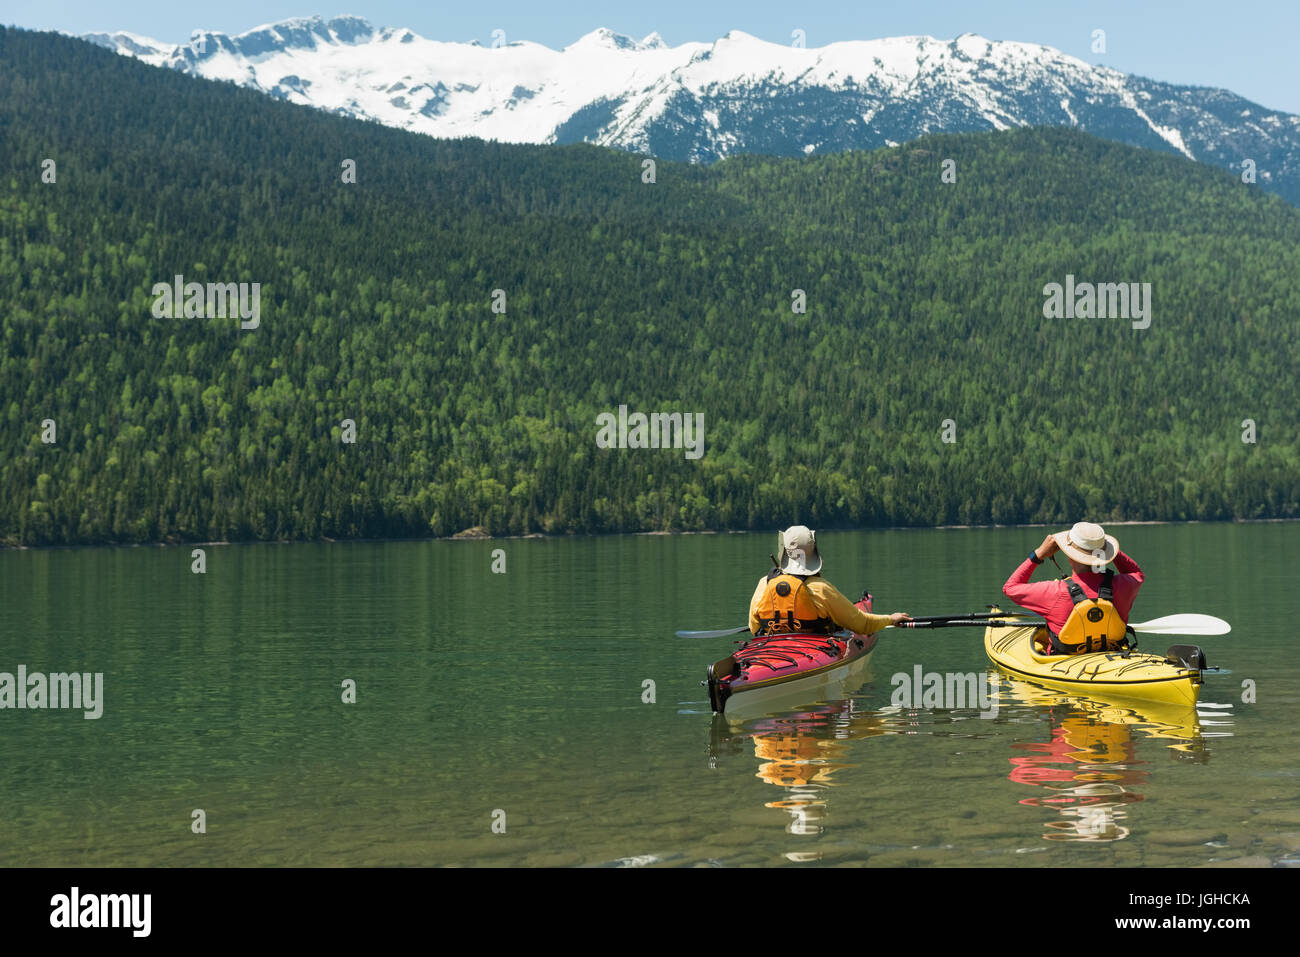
point(1052, 599)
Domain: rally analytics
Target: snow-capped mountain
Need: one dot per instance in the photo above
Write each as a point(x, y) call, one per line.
point(704, 101)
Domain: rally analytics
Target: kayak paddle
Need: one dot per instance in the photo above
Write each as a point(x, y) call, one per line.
point(976, 617)
point(721, 633)
point(965, 623)
point(934, 621)
point(1187, 624)
point(1184, 625)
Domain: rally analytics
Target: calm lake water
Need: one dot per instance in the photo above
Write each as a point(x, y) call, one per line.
point(481, 693)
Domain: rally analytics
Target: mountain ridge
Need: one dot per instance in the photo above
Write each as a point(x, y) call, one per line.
point(701, 102)
point(925, 303)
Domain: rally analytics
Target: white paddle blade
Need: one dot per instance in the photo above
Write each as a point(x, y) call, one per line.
point(1184, 625)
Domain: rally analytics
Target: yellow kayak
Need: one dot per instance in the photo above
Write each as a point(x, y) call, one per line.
point(1137, 676)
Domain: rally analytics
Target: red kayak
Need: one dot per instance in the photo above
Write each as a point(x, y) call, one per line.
point(763, 671)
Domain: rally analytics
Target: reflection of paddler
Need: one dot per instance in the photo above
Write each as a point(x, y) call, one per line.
point(1095, 742)
point(1084, 769)
point(796, 757)
point(1078, 740)
point(1090, 821)
point(792, 760)
point(790, 748)
point(1155, 719)
point(806, 812)
point(791, 775)
point(1098, 793)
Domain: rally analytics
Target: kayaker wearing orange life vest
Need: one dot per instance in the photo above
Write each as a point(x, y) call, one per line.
point(1088, 611)
point(795, 598)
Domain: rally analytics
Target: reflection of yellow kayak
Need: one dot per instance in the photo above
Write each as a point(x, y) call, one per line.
point(1156, 719)
point(1137, 676)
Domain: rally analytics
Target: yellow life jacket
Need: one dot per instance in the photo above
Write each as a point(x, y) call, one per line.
point(786, 608)
point(1094, 623)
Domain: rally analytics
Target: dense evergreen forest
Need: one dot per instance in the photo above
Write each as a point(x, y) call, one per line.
point(924, 304)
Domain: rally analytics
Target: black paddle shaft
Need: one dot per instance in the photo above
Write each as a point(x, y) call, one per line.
point(966, 623)
point(973, 617)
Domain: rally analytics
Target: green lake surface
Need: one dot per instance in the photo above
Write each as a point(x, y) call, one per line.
point(520, 699)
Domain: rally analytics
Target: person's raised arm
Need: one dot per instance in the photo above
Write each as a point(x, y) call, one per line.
point(1018, 585)
point(1126, 566)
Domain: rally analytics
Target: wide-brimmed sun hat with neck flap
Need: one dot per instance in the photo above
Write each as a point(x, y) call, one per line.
point(799, 554)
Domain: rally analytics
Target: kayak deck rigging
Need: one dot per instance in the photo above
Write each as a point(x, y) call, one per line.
point(1127, 673)
point(787, 661)
point(759, 651)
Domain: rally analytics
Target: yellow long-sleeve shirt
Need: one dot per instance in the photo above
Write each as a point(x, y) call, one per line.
point(829, 602)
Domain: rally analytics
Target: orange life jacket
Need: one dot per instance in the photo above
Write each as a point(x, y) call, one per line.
point(786, 608)
point(1094, 623)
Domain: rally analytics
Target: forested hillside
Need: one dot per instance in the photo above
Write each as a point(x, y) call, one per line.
point(924, 304)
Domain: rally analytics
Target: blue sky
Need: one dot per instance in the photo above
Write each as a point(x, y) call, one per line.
point(1247, 48)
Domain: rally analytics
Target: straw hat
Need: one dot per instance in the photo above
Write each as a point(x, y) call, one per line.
point(799, 555)
point(1088, 544)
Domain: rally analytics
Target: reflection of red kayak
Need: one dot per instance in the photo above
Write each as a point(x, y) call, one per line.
point(1076, 745)
point(784, 663)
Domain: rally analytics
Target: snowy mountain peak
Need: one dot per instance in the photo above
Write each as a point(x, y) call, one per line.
point(605, 38)
point(300, 33)
point(130, 43)
point(741, 37)
point(296, 35)
point(702, 101)
point(973, 45)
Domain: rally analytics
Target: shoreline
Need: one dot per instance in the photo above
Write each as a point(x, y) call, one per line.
point(542, 535)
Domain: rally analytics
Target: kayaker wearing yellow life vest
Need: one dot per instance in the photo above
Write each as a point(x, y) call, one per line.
point(1089, 610)
point(795, 598)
